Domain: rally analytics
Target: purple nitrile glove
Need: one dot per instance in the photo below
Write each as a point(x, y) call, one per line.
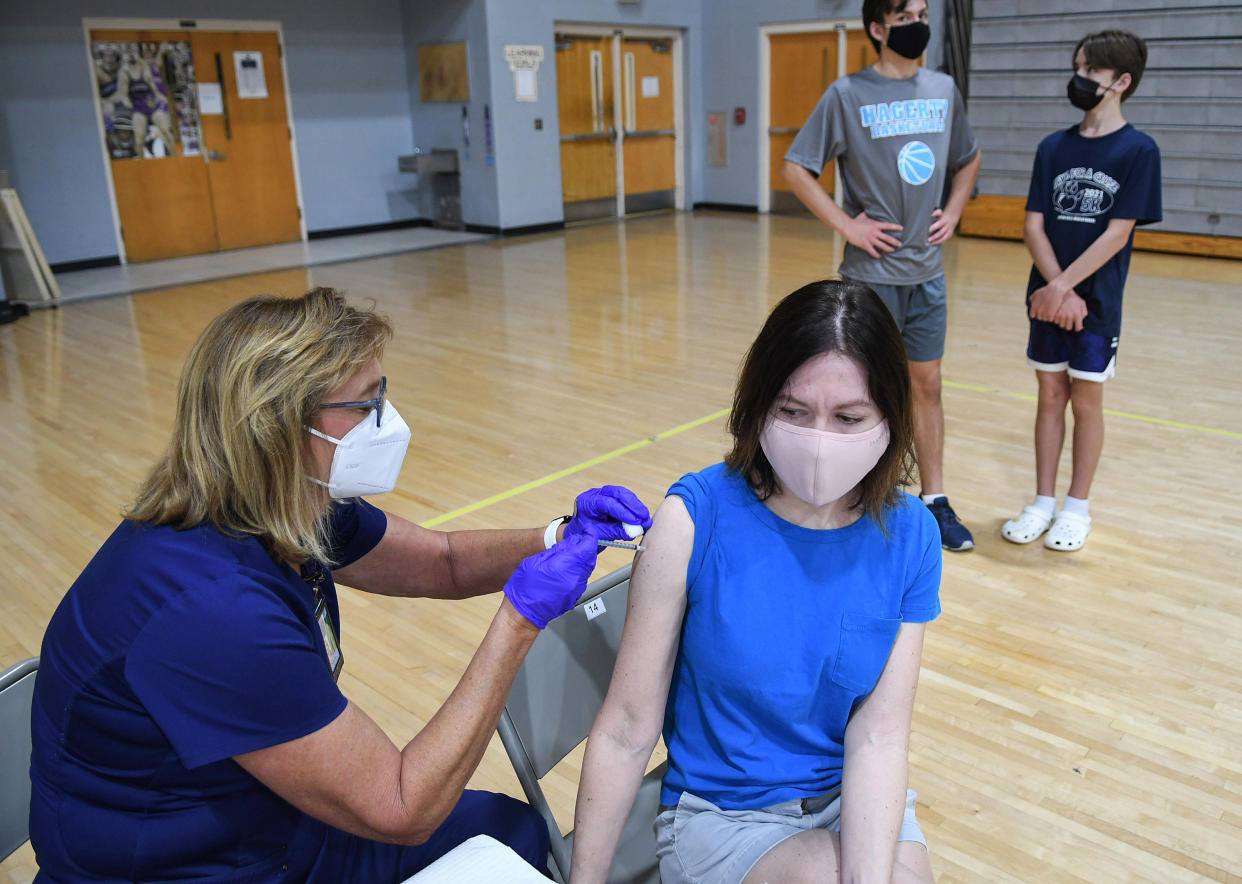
point(548, 584)
point(605, 512)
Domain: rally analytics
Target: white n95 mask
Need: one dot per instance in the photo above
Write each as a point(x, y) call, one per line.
point(368, 458)
point(817, 466)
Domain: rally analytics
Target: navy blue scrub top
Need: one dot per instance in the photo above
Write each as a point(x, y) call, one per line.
point(173, 652)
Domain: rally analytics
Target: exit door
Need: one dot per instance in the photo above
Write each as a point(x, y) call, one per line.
point(649, 130)
point(200, 160)
point(619, 125)
point(585, 90)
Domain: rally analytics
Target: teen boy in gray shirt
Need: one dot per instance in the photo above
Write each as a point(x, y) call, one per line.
point(896, 131)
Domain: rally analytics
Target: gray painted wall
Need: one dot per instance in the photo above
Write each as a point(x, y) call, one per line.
point(347, 78)
point(720, 58)
point(529, 160)
point(439, 124)
point(521, 184)
point(353, 78)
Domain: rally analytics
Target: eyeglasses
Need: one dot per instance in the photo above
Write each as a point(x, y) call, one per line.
point(377, 403)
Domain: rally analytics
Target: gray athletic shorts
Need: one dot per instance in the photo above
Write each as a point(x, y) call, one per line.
point(921, 314)
point(698, 843)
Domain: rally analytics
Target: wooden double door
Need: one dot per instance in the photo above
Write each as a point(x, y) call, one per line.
point(803, 66)
point(199, 143)
point(618, 123)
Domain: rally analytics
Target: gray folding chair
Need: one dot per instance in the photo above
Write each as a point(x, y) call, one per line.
point(551, 708)
point(16, 695)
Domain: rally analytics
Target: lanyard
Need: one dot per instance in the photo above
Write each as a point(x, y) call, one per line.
point(313, 573)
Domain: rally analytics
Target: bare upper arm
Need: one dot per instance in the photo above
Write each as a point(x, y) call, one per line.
point(346, 774)
point(968, 167)
point(408, 560)
point(1033, 229)
point(634, 707)
point(889, 707)
point(1121, 226)
point(791, 170)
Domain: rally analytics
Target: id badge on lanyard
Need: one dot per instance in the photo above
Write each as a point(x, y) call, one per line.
point(336, 660)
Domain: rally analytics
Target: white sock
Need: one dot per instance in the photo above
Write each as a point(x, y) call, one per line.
point(932, 498)
point(1077, 506)
point(1045, 504)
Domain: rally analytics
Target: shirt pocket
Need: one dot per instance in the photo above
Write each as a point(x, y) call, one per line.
point(866, 642)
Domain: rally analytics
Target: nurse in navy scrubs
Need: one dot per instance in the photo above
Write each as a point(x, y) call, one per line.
point(187, 722)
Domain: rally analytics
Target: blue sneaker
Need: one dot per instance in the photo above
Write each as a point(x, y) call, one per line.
point(954, 536)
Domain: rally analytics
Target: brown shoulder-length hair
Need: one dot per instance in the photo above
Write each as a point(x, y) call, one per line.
point(830, 316)
point(252, 381)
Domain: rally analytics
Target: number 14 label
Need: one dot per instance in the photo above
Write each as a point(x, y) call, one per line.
point(594, 608)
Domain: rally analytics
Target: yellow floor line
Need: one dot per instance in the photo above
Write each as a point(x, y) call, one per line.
point(560, 474)
point(1128, 415)
point(626, 449)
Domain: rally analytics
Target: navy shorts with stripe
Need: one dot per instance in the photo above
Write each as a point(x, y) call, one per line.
point(1084, 354)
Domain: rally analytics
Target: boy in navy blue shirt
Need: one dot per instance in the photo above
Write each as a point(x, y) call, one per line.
point(1091, 185)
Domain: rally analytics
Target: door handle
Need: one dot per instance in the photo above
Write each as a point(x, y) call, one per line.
point(591, 136)
point(216, 155)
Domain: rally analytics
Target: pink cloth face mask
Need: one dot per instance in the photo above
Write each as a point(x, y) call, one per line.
point(818, 466)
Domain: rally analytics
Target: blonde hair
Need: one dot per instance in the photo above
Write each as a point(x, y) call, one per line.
point(253, 379)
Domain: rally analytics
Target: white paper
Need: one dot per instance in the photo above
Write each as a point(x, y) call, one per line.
point(210, 100)
point(480, 858)
point(525, 85)
point(651, 87)
point(250, 80)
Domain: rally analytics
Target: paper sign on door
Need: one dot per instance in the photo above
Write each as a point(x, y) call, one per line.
point(210, 99)
point(250, 80)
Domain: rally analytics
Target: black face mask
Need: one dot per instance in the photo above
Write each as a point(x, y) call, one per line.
point(910, 40)
point(1083, 92)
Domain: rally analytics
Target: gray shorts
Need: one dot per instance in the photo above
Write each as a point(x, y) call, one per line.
point(921, 314)
point(698, 843)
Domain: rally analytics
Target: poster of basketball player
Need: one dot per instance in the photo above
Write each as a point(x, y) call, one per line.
point(134, 82)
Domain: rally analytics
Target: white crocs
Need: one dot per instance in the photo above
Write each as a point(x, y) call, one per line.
point(1068, 532)
point(1027, 525)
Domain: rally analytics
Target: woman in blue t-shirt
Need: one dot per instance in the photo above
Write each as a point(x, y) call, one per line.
point(187, 724)
point(779, 607)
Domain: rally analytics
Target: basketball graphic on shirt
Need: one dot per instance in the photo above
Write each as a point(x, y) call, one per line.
point(916, 163)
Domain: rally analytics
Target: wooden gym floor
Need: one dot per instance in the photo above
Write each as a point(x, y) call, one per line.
point(1079, 716)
